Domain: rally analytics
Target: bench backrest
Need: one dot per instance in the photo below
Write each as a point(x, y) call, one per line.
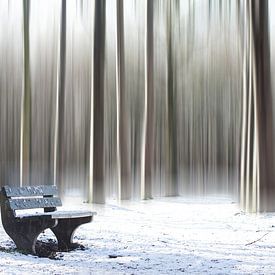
point(31, 197)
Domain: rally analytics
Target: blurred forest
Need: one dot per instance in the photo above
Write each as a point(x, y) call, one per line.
point(138, 99)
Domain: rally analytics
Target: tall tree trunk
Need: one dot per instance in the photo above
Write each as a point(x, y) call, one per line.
point(172, 106)
point(257, 155)
point(26, 110)
point(149, 109)
point(98, 187)
point(123, 146)
point(60, 114)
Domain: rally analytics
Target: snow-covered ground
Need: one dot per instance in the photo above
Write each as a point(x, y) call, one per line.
point(165, 236)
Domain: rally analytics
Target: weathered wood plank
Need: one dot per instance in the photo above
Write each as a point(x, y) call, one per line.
point(57, 214)
point(71, 214)
point(31, 203)
point(45, 190)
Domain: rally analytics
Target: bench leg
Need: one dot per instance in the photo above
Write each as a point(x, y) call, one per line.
point(25, 233)
point(65, 229)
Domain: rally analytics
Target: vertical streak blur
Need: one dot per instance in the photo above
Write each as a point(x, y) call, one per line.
point(98, 181)
point(11, 81)
point(189, 86)
point(257, 184)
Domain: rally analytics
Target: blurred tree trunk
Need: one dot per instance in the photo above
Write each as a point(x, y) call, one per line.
point(60, 120)
point(98, 187)
point(26, 113)
point(149, 109)
point(172, 189)
point(257, 155)
point(123, 139)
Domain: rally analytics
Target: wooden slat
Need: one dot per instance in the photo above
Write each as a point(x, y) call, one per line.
point(31, 203)
point(71, 214)
point(28, 191)
point(58, 214)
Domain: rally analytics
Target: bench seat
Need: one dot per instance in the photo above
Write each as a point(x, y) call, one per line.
point(56, 214)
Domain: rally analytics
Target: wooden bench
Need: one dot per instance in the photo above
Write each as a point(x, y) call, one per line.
point(24, 228)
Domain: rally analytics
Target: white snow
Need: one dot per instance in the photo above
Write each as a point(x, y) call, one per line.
point(163, 236)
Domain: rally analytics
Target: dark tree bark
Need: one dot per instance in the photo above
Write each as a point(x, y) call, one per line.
point(149, 115)
point(257, 156)
point(125, 184)
point(98, 89)
point(172, 105)
point(26, 114)
point(61, 99)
